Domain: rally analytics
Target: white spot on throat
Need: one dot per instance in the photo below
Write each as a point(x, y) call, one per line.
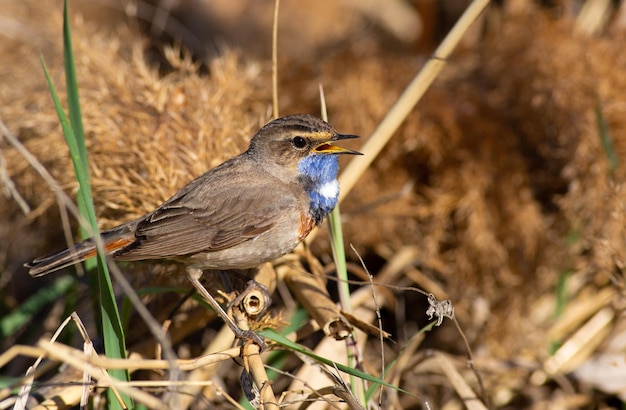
point(329, 189)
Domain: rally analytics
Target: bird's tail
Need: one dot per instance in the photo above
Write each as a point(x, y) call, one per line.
point(114, 240)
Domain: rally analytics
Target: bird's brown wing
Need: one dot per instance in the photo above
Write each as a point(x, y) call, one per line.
point(211, 214)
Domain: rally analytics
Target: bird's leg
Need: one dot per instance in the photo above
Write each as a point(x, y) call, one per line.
point(194, 275)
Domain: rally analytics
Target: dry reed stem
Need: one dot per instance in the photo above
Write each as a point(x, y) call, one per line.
point(404, 361)
point(581, 344)
point(223, 340)
point(409, 98)
point(59, 351)
point(397, 16)
point(82, 363)
point(313, 377)
point(579, 310)
point(254, 365)
point(204, 366)
point(275, 111)
point(464, 391)
point(67, 398)
point(593, 16)
point(87, 350)
point(313, 295)
point(405, 103)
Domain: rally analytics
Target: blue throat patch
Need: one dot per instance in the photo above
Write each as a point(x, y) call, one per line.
point(319, 170)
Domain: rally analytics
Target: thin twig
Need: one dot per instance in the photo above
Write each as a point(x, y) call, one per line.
point(470, 363)
point(10, 188)
point(275, 60)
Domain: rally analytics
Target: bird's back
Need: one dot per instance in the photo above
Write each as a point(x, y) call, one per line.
point(231, 217)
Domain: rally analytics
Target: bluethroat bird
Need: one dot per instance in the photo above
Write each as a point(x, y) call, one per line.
point(251, 209)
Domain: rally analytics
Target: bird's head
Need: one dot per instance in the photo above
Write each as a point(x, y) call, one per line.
point(299, 145)
point(300, 149)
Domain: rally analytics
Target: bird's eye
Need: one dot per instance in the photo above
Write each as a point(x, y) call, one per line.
point(298, 142)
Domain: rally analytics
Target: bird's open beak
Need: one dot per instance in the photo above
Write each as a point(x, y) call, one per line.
point(328, 148)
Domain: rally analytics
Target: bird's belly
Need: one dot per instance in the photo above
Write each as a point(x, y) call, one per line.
point(248, 254)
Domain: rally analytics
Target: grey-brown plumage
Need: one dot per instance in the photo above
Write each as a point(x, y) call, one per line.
point(250, 209)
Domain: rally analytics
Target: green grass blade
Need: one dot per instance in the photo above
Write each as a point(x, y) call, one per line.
point(561, 298)
point(605, 136)
point(84, 197)
point(79, 147)
point(112, 332)
point(282, 340)
point(28, 309)
point(339, 255)
point(72, 82)
point(339, 252)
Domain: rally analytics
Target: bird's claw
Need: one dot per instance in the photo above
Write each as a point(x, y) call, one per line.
point(252, 336)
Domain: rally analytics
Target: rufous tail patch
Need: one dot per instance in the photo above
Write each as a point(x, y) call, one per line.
point(111, 246)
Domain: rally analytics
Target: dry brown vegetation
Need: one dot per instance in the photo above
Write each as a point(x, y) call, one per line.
point(498, 192)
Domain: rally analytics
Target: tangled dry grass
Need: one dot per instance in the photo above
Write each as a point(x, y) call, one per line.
point(499, 192)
